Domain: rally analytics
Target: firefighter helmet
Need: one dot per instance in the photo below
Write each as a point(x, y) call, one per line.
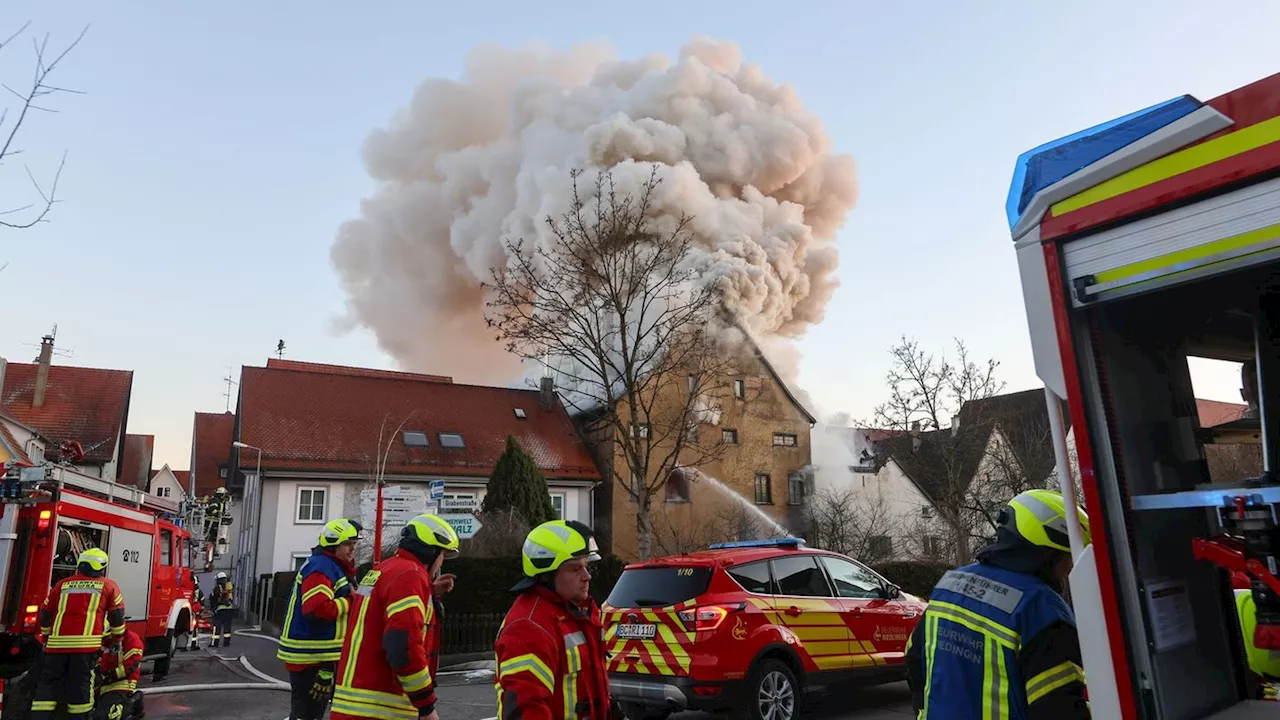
point(95, 558)
point(554, 543)
point(433, 532)
point(336, 532)
point(220, 576)
point(1039, 517)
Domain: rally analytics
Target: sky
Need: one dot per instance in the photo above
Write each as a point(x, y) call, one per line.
point(216, 149)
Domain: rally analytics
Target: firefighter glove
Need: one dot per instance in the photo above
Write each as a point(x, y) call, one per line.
point(322, 686)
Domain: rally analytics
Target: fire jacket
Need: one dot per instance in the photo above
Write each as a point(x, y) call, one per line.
point(316, 620)
point(120, 672)
point(80, 612)
point(386, 667)
point(224, 596)
point(551, 660)
point(995, 643)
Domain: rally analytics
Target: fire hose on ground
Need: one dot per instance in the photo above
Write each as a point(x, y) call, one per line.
point(269, 683)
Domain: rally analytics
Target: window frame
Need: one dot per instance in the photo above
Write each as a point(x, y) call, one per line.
point(734, 434)
point(777, 584)
point(880, 593)
point(739, 389)
point(795, 480)
point(440, 438)
point(768, 568)
point(426, 440)
point(297, 504)
point(795, 440)
point(871, 544)
point(564, 501)
point(298, 560)
point(166, 547)
point(768, 487)
point(684, 480)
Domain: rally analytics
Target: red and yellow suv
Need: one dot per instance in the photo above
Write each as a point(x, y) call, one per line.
point(749, 627)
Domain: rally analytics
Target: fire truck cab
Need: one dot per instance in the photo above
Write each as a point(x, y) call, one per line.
point(1141, 243)
point(49, 514)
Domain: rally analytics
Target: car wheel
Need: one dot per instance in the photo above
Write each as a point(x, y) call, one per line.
point(633, 711)
point(773, 693)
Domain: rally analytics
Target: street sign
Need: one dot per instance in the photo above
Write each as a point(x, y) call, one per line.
point(399, 505)
point(437, 489)
point(465, 524)
point(459, 504)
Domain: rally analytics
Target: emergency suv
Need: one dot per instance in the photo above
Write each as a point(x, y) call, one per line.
point(49, 514)
point(749, 627)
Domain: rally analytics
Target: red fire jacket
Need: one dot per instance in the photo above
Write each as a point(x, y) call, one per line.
point(386, 667)
point(551, 660)
point(81, 612)
point(121, 672)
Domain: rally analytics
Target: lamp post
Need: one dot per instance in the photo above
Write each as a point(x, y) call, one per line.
point(248, 543)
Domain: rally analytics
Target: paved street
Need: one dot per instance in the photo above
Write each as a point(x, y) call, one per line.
point(463, 695)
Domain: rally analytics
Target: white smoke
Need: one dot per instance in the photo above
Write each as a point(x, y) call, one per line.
point(469, 164)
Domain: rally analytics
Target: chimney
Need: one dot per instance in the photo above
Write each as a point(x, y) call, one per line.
point(547, 393)
point(42, 372)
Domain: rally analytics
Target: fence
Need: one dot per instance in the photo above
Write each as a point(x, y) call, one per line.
point(469, 633)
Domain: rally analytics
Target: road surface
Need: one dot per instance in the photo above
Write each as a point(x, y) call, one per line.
point(463, 695)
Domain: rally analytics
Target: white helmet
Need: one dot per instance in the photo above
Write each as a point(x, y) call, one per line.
point(220, 576)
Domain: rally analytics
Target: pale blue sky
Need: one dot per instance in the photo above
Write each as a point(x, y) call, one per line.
point(217, 150)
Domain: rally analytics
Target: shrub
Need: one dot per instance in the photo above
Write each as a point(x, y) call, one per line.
point(917, 578)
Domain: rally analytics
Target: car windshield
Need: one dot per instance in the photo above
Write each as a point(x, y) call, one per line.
point(659, 586)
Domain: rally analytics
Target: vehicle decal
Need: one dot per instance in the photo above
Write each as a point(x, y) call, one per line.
point(666, 653)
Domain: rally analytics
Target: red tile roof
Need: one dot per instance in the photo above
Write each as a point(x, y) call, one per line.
point(183, 477)
point(135, 468)
point(88, 405)
point(8, 441)
point(280, 364)
point(1213, 413)
point(328, 419)
point(211, 450)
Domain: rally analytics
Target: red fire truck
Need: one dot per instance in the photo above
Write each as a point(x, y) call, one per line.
point(49, 514)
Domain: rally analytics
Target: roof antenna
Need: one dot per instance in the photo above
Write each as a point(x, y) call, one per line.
point(56, 351)
point(280, 349)
point(227, 393)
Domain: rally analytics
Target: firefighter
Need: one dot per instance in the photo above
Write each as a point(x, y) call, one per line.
point(1264, 669)
point(550, 650)
point(998, 639)
point(118, 673)
point(83, 612)
point(392, 640)
point(311, 641)
point(197, 612)
point(224, 609)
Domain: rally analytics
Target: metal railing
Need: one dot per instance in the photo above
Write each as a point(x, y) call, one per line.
point(469, 633)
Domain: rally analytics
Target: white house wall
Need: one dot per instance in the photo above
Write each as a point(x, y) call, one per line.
point(903, 505)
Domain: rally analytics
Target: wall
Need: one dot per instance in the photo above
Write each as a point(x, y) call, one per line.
point(281, 535)
point(168, 480)
point(763, 411)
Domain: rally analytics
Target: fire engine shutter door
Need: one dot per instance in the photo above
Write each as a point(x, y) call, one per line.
point(130, 567)
point(1223, 233)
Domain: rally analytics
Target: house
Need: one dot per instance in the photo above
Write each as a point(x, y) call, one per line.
point(135, 467)
point(18, 442)
point(312, 437)
point(756, 483)
point(170, 483)
point(79, 412)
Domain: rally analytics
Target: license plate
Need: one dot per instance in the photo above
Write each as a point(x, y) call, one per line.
point(637, 632)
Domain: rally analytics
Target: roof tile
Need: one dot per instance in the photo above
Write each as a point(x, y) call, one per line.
point(211, 450)
point(87, 405)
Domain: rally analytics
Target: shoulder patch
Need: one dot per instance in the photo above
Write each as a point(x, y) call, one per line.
point(985, 590)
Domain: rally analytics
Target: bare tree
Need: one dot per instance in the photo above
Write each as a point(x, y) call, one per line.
point(852, 523)
point(378, 464)
point(1231, 462)
point(612, 305)
point(677, 533)
point(926, 394)
point(30, 98)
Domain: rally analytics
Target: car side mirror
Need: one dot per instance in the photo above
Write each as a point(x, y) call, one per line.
point(892, 592)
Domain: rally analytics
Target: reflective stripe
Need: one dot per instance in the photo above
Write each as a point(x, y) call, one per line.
point(369, 710)
point(570, 688)
point(409, 603)
point(975, 622)
point(74, 642)
point(415, 682)
point(371, 703)
point(357, 639)
point(930, 644)
point(531, 664)
point(318, 590)
point(994, 679)
point(1055, 677)
point(121, 685)
point(131, 653)
point(44, 705)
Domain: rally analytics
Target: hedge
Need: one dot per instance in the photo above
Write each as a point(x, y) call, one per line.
point(917, 578)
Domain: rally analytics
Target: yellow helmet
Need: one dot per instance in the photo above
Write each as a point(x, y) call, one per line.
point(554, 543)
point(95, 558)
point(1040, 518)
point(431, 531)
point(336, 532)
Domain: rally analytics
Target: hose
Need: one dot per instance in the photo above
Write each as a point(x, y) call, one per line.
point(248, 666)
point(213, 686)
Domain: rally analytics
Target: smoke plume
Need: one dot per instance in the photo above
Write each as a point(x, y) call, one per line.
point(469, 164)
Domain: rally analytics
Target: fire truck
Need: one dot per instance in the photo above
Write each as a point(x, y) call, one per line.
point(51, 513)
point(1142, 243)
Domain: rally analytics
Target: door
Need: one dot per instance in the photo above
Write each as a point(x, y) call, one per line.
point(880, 625)
point(130, 567)
point(164, 581)
point(806, 604)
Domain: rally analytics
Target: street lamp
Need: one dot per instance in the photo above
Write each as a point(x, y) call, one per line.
point(248, 543)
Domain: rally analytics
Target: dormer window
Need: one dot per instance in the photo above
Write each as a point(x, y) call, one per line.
point(415, 438)
point(451, 440)
point(520, 414)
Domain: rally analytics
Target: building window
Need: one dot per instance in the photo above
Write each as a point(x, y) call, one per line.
point(881, 546)
point(415, 438)
point(691, 433)
point(640, 431)
point(557, 502)
point(729, 437)
point(933, 546)
point(311, 504)
point(520, 414)
point(764, 489)
point(222, 473)
point(677, 487)
point(784, 440)
point(299, 559)
point(162, 492)
point(450, 440)
point(691, 382)
point(795, 489)
point(926, 511)
point(739, 389)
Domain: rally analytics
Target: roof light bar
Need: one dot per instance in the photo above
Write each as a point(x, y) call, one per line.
point(793, 542)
